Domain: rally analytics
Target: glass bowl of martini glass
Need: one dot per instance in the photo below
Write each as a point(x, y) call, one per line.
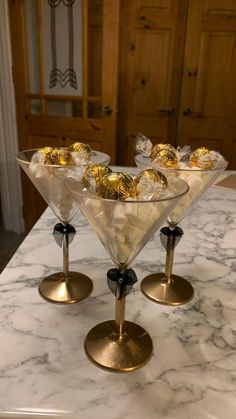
point(123, 227)
point(43, 167)
point(167, 288)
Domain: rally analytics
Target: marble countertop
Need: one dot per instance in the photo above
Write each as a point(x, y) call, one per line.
point(44, 371)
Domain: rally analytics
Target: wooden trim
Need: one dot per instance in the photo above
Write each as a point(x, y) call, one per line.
point(17, 29)
point(85, 55)
point(110, 62)
point(40, 55)
point(178, 63)
point(62, 127)
point(64, 98)
point(26, 58)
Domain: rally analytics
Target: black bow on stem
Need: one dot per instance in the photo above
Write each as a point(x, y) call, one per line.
point(61, 230)
point(121, 283)
point(167, 232)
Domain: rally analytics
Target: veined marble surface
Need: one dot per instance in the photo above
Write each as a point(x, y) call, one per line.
point(192, 375)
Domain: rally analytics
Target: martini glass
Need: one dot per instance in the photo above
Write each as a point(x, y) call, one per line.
point(167, 288)
point(123, 227)
point(64, 287)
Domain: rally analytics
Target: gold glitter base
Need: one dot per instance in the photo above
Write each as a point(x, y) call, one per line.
point(109, 350)
point(173, 293)
point(55, 289)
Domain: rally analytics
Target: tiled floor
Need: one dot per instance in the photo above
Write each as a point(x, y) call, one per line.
point(9, 243)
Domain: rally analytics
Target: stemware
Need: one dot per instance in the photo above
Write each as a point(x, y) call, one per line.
point(64, 287)
point(167, 288)
point(123, 227)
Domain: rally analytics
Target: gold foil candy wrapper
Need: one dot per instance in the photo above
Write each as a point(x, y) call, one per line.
point(93, 175)
point(46, 150)
point(166, 158)
point(117, 186)
point(81, 148)
point(152, 175)
point(157, 147)
point(201, 158)
point(151, 184)
point(59, 156)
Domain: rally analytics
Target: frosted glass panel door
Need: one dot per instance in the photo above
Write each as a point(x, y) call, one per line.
point(62, 46)
point(65, 55)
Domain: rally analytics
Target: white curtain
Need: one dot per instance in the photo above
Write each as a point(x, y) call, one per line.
point(10, 186)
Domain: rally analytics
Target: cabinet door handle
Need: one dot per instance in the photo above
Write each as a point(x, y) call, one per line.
point(166, 112)
point(107, 110)
point(187, 112)
point(190, 112)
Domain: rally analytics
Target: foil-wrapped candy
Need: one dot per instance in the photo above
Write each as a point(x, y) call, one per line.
point(93, 175)
point(118, 186)
point(201, 158)
point(81, 148)
point(151, 184)
point(63, 156)
point(59, 156)
point(45, 150)
point(206, 159)
point(41, 154)
point(166, 158)
point(153, 175)
point(157, 147)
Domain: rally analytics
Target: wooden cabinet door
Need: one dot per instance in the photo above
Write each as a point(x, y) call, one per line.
point(208, 94)
point(151, 54)
point(65, 64)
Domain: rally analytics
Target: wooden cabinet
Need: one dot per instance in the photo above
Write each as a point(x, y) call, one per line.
point(178, 74)
point(208, 93)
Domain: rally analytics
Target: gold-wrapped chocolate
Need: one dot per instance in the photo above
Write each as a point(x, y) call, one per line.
point(201, 158)
point(59, 156)
point(152, 175)
point(81, 148)
point(93, 175)
point(166, 158)
point(151, 184)
point(157, 147)
point(118, 186)
point(45, 150)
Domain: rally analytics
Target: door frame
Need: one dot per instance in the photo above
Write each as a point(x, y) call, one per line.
point(10, 184)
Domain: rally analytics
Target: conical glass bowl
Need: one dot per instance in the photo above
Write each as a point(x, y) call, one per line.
point(64, 287)
point(123, 227)
point(166, 288)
